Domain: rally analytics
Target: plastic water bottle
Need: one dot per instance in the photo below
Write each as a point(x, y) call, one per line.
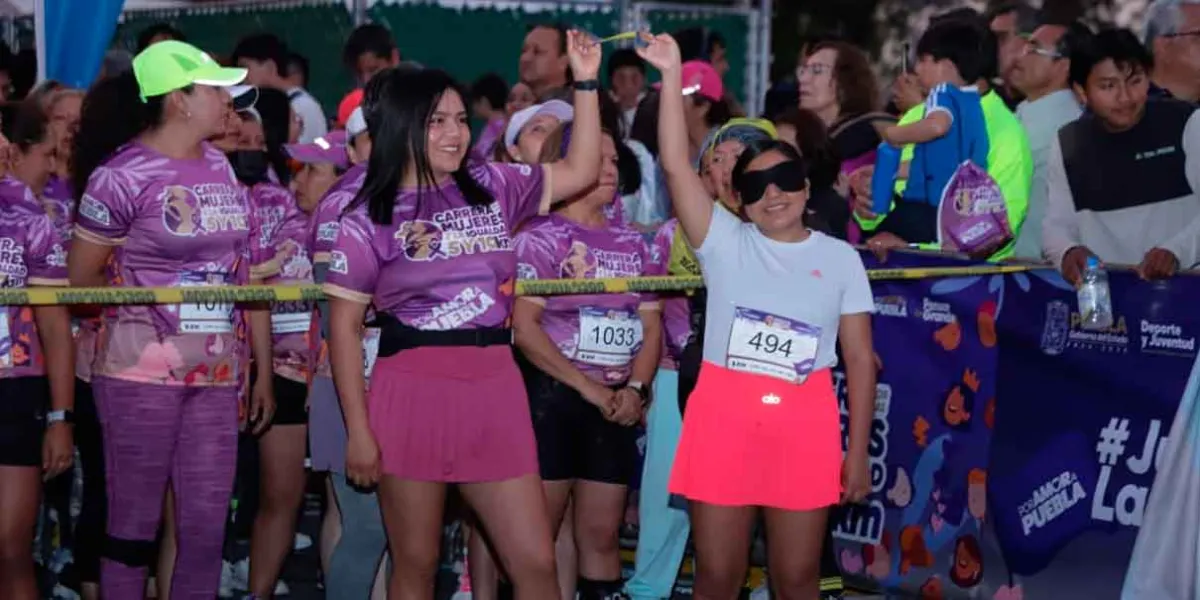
point(1095, 303)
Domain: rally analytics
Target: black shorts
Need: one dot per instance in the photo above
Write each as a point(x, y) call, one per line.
point(574, 441)
point(291, 400)
point(23, 403)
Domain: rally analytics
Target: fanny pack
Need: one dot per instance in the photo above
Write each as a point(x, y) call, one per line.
point(395, 336)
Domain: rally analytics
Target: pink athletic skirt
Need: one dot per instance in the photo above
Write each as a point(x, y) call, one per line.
point(456, 415)
point(753, 440)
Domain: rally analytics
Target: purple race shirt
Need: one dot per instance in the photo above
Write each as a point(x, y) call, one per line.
point(600, 334)
point(171, 223)
point(60, 205)
point(31, 254)
point(677, 326)
point(325, 222)
point(281, 257)
point(442, 264)
point(492, 132)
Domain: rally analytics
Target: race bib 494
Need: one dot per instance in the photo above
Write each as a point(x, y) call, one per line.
point(767, 344)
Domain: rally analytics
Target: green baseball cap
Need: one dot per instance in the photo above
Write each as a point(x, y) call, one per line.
point(170, 65)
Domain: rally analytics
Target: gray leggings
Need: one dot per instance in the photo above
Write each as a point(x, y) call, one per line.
point(355, 559)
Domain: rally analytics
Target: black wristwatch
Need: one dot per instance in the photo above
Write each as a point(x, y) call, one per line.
point(587, 85)
point(641, 389)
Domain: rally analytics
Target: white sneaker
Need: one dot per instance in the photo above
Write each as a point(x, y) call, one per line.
point(281, 588)
point(762, 592)
point(302, 542)
point(240, 577)
point(226, 588)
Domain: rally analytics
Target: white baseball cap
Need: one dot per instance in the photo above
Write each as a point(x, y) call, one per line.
point(555, 108)
point(356, 123)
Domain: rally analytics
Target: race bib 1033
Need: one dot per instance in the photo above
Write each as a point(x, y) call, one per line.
point(608, 338)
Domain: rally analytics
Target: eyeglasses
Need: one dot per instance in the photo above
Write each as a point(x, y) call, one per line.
point(1050, 54)
point(815, 69)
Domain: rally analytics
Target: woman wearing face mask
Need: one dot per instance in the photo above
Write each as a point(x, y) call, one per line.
point(427, 242)
point(591, 359)
point(281, 258)
point(36, 353)
point(164, 207)
point(780, 297)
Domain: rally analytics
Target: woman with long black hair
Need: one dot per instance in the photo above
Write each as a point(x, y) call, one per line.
point(272, 473)
point(428, 244)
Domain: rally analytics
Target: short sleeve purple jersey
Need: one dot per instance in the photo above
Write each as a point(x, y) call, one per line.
point(59, 202)
point(441, 264)
point(600, 333)
point(676, 312)
point(60, 205)
point(325, 222)
point(32, 254)
point(281, 257)
point(172, 223)
point(328, 216)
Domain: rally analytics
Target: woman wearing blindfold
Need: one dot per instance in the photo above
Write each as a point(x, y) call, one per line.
point(762, 428)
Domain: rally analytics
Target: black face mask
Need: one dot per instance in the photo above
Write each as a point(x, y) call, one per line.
point(788, 176)
point(250, 166)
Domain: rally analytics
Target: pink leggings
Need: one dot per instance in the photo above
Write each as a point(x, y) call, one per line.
point(152, 434)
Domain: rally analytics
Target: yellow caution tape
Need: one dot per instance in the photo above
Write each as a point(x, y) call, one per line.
point(534, 287)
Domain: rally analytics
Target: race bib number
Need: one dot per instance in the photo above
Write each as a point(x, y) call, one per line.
point(6, 342)
point(608, 338)
point(370, 350)
point(291, 317)
point(205, 317)
point(771, 345)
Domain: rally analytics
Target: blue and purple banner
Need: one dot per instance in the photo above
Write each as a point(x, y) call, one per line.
point(1012, 451)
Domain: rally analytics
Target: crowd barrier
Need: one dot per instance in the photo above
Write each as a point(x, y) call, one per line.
point(534, 287)
point(1011, 451)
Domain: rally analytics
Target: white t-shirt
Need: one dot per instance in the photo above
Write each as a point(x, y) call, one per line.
point(311, 115)
point(774, 307)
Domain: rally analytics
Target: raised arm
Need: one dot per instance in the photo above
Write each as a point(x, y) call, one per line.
point(693, 205)
point(580, 168)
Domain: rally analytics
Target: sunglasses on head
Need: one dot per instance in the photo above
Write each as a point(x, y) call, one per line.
point(788, 176)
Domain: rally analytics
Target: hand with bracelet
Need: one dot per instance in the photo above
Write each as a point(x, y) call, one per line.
point(58, 445)
point(631, 402)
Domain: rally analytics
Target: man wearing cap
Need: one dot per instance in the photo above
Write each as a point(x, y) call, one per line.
point(528, 128)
